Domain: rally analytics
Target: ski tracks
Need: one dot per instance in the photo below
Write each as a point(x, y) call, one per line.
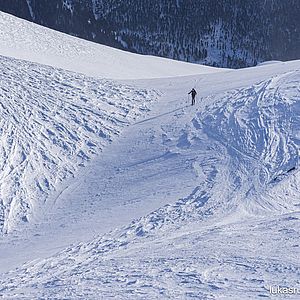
point(259, 127)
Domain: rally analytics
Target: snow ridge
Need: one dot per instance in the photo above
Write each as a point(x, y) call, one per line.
point(25, 40)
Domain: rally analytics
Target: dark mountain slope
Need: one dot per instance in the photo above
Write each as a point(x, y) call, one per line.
point(226, 33)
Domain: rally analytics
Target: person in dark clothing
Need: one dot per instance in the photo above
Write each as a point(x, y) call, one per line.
point(194, 93)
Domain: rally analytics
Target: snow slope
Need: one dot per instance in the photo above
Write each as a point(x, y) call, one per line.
point(28, 41)
point(227, 207)
point(259, 126)
point(52, 123)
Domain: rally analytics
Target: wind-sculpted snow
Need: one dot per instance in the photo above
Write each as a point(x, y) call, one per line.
point(242, 148)
point(260, 127)
point(187, 264)
point(52, 123)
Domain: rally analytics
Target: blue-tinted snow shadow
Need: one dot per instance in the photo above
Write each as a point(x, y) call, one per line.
point(161, 115)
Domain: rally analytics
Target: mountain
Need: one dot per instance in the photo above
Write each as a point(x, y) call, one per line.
point(120, 189)
point(219, 33)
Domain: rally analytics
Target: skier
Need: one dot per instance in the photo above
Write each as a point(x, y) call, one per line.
point(194, 93)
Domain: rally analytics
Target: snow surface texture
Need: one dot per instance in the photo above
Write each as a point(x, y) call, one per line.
point(259, 126)
point(52, 123)
point(26, 40)
point(228, 236)
point(188, 202)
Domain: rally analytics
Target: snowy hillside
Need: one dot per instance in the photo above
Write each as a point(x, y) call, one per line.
point(227, 207)
point(259, 126)
point(52, 123)
point(124, 190)
point(26, 40)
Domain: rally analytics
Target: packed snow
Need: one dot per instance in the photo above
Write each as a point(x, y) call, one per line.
point(185, 202)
